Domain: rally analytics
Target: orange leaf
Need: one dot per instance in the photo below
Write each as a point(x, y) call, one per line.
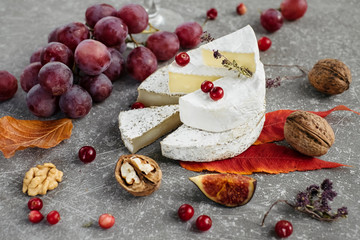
point(20, 134)
point(273, 129)
point(268, 158)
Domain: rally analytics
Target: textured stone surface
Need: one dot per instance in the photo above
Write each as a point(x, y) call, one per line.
point(330, 29)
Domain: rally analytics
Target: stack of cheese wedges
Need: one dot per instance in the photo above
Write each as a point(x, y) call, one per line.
point(211, 130)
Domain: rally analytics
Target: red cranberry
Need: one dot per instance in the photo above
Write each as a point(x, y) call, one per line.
point(182, 59)
point(203, 223)
point(137, 105)
point(35, 216)
point(206, 86)
point(87, 154)
point(264, 43)
point(53, 217)
point(283, 229)
point(35, 204)
point(185, 212)
point(106, 220)
point(216, 93)
point(241, 9)
point(211, 13)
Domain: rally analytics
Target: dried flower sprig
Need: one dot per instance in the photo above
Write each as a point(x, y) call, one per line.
point(206, 37)
point(276, 82)
point(315, 202)
point(232, 65)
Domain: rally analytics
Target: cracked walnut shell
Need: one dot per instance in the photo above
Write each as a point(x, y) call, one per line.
point(40, 179)
point(330, 76)
point(308, 133)
point(138, 174)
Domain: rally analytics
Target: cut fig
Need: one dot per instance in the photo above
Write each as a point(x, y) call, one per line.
point(227, 189)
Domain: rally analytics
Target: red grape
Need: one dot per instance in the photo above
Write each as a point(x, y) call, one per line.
point(35, 56)
point(40, 102)
point(97, 11)
point(56, 51)
point(141, 63)
point(117, 65)
point(163, 44)
point(72, 34)
point(99, 86)
point(271, 20)
point(92, 57)
point(189, 34)
point(111, 31)
point(293, 9)
point(53, 35)
point(8, 85)
point(29, 77)
point(134, 16)
point(56, 78)
point(76, 102)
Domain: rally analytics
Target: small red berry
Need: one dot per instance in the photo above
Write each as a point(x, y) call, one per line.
point(87, 154)
point(185, 212)
point(241, 9)
point(283, 229)
point(211, 13)
point(106, 220)
point(35, 204)
point(216, 93)
point(137, 105)
point(35, 216)
point(206, 86)
point(53, 217)
point(203, 223)
point(182, 59)
point(264, 43)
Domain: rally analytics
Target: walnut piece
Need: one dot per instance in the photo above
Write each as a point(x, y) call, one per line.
point(138, 174)
point(308, 133)
point(330, 76)
point(40, 179)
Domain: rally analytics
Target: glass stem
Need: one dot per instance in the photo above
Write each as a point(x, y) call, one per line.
point(151, 8)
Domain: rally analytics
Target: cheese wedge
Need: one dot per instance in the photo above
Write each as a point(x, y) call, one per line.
point(190, 144)
point(141, 127)
point(243, 99)
point(240, 46)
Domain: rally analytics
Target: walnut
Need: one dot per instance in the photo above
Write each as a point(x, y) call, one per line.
point(138, 174)
point(40, 179)
point(308, 133)
point(330, 76)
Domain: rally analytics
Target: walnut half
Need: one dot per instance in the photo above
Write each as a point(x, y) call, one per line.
point(40, 179)
point(138, 174)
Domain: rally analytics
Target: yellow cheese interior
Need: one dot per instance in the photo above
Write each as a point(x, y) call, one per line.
point(243, 59)
point(186, 83)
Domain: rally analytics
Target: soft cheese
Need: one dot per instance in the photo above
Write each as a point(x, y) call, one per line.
point(141, 127)
point(190, 144)
point(243, 99)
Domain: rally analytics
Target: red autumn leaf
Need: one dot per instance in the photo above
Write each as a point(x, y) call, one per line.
point(273, 129)
point(268, 158)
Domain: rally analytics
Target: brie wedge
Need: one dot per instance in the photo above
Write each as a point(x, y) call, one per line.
point(190, 144)
point(141, 127)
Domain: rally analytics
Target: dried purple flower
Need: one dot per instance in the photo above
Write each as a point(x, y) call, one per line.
point(313, 190)
point(217, 54)
point(329, 194)
point(326, 185)
point(206, 37)
point(302, 199)
point(273, 82)
point(342, 212)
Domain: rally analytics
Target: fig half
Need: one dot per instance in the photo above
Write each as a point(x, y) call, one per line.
point(227, 189)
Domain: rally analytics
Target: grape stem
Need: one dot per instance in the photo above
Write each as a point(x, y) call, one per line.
point(132, 39)
point(151, 29)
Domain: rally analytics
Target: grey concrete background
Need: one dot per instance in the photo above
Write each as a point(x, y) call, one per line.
point(329, 29)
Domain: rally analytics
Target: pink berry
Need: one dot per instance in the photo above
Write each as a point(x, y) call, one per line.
point(241, 9)
point(182, 59)
point(137, 105)
point(185, 212)
point(283, 229)
point(106, 220)
point(53, 217)
point(264, 43)
point(271, 20)
point(35, 204)
point(203, 223)
point(206, 86)
point(211, 13)
point(87, 154)
point(216, 93)
point(35, 216)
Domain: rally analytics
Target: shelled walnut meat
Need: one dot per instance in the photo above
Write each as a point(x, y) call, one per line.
point(138, 174)
point(308, 133)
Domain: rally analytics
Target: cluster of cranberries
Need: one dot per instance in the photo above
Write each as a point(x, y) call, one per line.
point(215, 93)
point(35, 216)
point(186, 212)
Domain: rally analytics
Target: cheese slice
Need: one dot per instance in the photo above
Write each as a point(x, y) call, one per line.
point(190, 144)
point(243, 99)
point(141, 127)
point(240, 46)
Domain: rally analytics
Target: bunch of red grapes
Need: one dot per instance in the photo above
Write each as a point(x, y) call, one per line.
point(80, 62)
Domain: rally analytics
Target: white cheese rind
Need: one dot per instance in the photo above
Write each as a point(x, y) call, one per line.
point(190, 144)
point(243, 100)
point(141, 127)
